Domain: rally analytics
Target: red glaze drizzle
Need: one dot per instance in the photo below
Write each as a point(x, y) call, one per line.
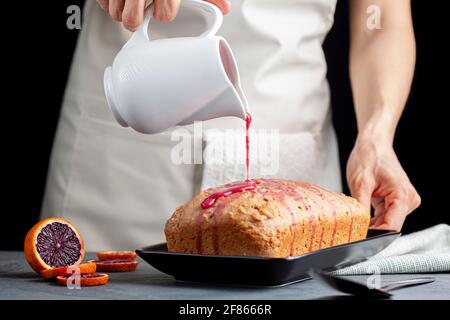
point(351, 227)
point(333, 208)
point(352, 216)
point(198, 232)
point(276, 188)
point(248, 122)
point(293, 224)
point(227, 190)
point(321, 237)
point(225, 193)
point(280, 190)
point(317, 192)
point(216, 216)
point(312, 219)
point(281, 198)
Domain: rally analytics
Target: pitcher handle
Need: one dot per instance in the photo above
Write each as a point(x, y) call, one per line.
point(141, 34)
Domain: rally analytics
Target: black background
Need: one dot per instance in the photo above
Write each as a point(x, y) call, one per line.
point(39, 50)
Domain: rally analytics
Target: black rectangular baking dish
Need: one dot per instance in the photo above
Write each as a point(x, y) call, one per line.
point(260, 271)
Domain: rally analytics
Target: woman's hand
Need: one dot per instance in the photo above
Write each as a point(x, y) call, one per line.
point(381, 71)
point(376, 178)
point(131, 12)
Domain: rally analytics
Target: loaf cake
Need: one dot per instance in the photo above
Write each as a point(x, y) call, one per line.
point(270, 218)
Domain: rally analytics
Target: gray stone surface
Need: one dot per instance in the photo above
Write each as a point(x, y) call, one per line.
point(18, 281)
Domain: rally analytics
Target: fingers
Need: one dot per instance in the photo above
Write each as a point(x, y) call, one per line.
point(362, 188)
point(391, 213)
point(379, 205)
point(223, 5)
point(165, 10)
point(103, 4)
point(375, 176)
point(392, 219)
point(133, 14)
point(380, 209)
point(115, 9)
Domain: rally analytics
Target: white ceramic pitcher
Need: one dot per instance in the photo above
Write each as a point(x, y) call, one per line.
point(153, 85)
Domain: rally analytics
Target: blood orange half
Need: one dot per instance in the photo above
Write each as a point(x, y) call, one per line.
point(53, 243)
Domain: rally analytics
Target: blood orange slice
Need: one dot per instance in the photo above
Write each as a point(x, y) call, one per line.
point(87, 280)
point(85, 268)
point(116, 265)
point(113, 255)
point(53, 243)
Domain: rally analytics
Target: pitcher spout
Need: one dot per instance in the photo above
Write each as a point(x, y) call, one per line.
point(227, 104)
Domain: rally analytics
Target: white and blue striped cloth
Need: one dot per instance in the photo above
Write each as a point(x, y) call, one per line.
point(424, 251)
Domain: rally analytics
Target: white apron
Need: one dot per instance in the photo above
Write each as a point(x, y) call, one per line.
point(119, 187)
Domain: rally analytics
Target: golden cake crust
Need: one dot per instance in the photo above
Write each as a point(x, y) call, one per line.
point(279, 218)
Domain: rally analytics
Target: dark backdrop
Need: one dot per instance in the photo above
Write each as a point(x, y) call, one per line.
point(39, 52)
point(421, 138)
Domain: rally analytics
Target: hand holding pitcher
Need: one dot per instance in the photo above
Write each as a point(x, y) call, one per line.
point(155, 85)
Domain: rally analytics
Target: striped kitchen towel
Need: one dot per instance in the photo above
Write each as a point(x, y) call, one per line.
point(424, 251)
